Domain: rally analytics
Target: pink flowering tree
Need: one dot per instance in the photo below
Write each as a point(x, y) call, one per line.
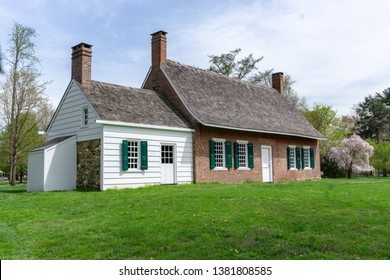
point(353, 155)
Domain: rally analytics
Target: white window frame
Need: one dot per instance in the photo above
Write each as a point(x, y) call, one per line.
point(223, 167)
point(137, 168)
point(245, 143)
point(294, 161)
point(84, 116)
point(306, 148)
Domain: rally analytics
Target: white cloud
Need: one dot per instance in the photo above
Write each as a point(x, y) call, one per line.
point(336, 50)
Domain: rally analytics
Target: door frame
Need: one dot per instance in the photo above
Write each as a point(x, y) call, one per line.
point(271, 171)
point(173, 145)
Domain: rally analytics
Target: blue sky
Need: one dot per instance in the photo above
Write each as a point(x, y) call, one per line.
point(336, 51)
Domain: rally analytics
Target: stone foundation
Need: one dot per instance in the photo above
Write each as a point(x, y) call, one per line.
point(88, 165)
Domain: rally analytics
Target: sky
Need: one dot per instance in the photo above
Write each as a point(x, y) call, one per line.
point(337, 51)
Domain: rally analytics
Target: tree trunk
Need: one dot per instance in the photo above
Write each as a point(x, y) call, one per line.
point(350, 171)
point(12, 175)
point(12, 172)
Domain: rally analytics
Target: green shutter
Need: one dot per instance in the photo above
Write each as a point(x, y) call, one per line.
point(144, 155)
point(298, 158)
point(228, 155)
point(312, 158)
point(303, 158)
point(212, 154)
point(125, 155)
point(288, 158)
point(251, 163)
point(236, 163)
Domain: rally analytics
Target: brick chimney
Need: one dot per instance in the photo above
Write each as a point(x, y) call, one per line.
point(277, 82)
point(82, 63)
point(159, 48)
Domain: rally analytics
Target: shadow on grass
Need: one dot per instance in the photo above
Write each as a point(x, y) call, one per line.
point(13, 191)
point(18, 188)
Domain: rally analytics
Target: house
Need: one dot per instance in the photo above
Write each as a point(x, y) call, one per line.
point(184, 125)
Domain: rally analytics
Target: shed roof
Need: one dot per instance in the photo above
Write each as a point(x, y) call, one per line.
point(51, 143)
point(219, 101)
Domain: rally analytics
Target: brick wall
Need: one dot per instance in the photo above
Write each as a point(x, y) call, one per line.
point(279, 144)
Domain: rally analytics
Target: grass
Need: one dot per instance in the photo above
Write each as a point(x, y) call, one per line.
point(327, 219)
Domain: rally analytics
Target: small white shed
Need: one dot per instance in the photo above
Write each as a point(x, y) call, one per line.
point(53, 165)
point(2, 175)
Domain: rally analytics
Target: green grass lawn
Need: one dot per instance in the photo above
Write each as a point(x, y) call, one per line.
point(328, 219)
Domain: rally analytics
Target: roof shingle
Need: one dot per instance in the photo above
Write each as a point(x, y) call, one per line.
point(126, 104)
point(220, 101)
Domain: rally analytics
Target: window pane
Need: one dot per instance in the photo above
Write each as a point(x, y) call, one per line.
point(219, 155)
point(292, 158)
point(242, 155)
point(306, 157)
point(133, 154)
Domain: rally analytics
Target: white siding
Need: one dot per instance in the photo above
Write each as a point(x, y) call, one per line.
point(53, 168)
point(111, 160)
point(68, 118)
point(61, 166)
point(35, 175)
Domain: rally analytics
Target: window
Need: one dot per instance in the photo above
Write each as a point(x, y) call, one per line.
point(167, 154)
point(134, 155)
point(306, 157)
point(85, 117)
point(293, 158)
point(220, 154)
point(243, 154)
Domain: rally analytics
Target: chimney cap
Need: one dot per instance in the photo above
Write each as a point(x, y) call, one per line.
point(81, 45)
point(277, 74)
point(159, 32)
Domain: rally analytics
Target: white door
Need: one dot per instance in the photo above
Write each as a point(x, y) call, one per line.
point(266, 159)
point(168, 175)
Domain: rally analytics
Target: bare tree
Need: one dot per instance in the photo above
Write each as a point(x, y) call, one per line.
point(21, 95)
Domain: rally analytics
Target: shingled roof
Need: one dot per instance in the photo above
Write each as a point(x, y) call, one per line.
point(219, 101)
point(126, 104)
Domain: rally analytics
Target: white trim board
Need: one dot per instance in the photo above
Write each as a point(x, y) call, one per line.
point(159, 127)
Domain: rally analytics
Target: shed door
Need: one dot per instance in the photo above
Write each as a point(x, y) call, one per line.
point(168, 174)
point(266, 158)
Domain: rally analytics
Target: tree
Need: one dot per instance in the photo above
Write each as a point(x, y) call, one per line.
point(325, 120)
point(373, 116)
point(265, 78)
point(227, 65)
point(380, 160)
point(353, 155)
point(245, 69)
point(21, 95)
